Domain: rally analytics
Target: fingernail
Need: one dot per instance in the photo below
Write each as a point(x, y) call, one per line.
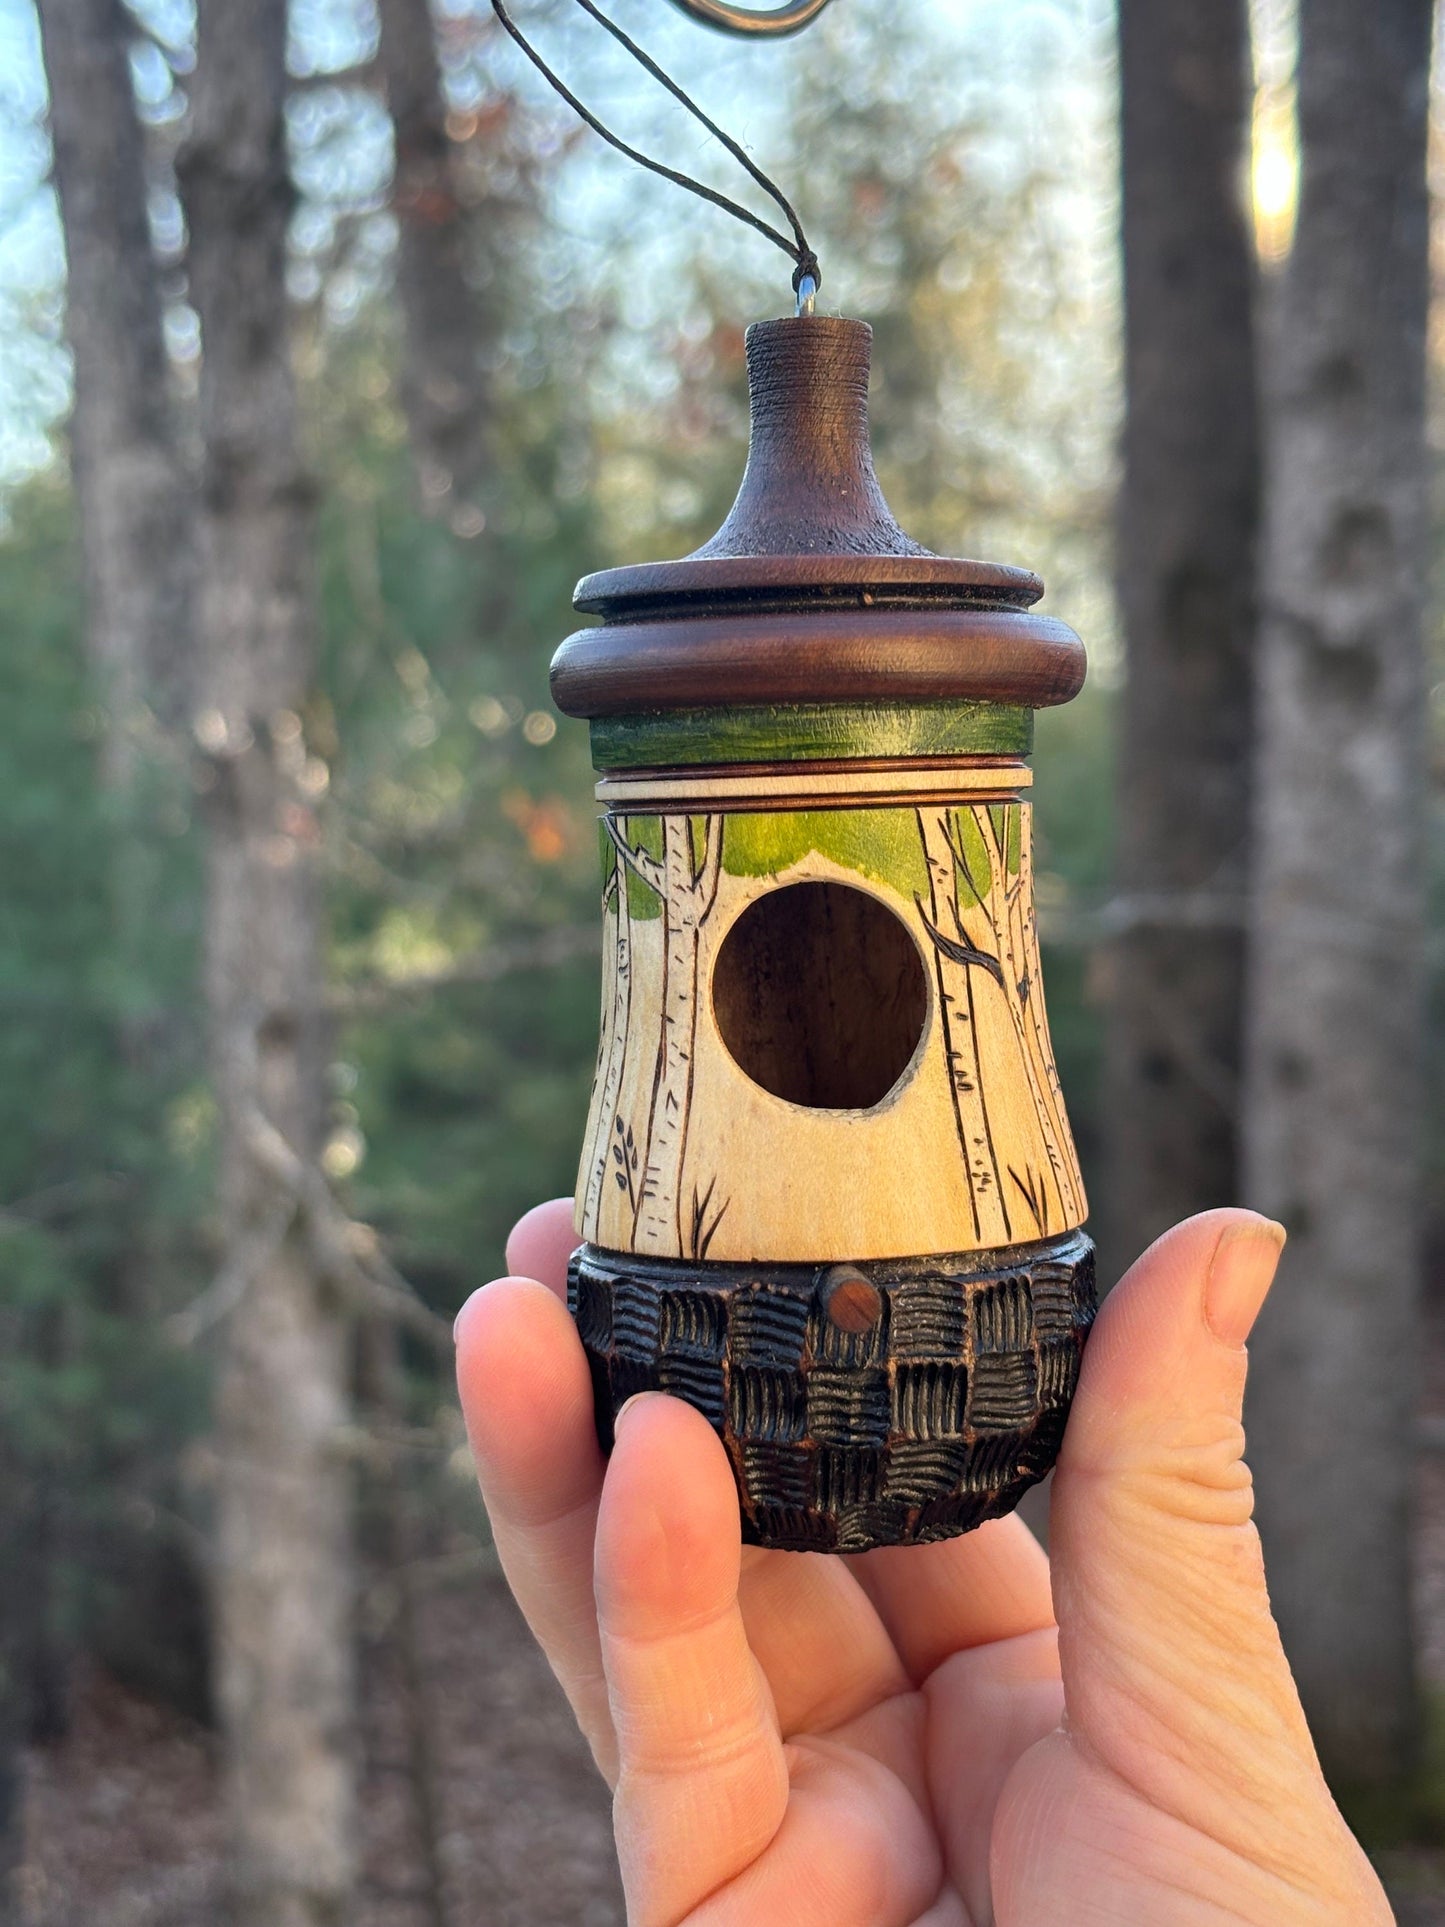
point(457, 1321)
point(625, 1407)
point(1240, 1275)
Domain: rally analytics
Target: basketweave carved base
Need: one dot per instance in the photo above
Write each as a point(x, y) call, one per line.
point(936, 1415)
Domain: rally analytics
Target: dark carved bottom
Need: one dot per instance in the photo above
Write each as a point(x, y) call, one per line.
point(940, 1414)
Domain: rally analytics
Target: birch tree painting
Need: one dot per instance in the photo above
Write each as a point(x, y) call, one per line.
point(689, 1156)
point(1023, 1183)
point(647, 1167)
point(609, 1144)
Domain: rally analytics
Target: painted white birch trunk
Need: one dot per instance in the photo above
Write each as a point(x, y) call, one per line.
point(1035, 1024)
point(959, 1027)
point(688, 897)
point(616, 1012)
point(1016, 924)
point(608, 962)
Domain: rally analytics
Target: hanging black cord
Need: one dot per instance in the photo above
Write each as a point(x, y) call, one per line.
point(797, 249)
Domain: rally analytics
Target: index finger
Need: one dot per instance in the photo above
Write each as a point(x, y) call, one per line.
point(701, 1760)
point(527, 1397)
point(542, 1241)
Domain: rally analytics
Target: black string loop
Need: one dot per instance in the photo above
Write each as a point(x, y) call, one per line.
point(797, 249)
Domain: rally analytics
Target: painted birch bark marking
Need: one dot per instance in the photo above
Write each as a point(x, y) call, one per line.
point(1005, 911)
point(991, 914)
point(587, 1199)
point(688, 890)
point(682, 1126)
point(1039, 1050)
point(954, 964)
point(608, 1146)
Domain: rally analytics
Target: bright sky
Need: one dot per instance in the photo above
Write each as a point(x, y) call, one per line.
point(1017, 50)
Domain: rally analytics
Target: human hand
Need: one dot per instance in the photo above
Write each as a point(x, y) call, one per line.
point(905, 1735)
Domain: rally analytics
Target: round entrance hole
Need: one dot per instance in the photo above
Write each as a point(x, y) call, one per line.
point(820, 995)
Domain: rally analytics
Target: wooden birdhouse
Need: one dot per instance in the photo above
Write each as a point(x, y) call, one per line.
point(828, 1191)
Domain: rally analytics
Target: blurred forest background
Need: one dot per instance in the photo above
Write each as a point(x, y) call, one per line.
point(332, 352)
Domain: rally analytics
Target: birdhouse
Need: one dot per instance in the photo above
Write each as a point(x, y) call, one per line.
point(828, 1193)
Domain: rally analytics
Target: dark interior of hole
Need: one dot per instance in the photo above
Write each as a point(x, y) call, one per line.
point(820, 995)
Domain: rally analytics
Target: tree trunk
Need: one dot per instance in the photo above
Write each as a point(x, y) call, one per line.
point(129, 479)
point(444, 391)
point(1187, 528)
point(129, 483)
point(1333, 1098)
point(284, 1559)
point(16, 1513)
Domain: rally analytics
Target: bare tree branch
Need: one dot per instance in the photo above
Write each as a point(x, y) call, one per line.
point(710, 874)
point(349, 1252)
point(962, 952)
point(364, 73)
point(642, 863)
point(231, 1283)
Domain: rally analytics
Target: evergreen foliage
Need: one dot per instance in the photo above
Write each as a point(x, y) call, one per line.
point(462, 875)
point(463, 892)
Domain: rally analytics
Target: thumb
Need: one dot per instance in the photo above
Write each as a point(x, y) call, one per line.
point(1173, 1671)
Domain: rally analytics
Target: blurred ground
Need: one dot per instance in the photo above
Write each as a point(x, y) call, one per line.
point(1417, 1878)
point(123, 1822)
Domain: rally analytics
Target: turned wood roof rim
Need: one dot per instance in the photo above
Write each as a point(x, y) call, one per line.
point(640, 590)
point(810, 591)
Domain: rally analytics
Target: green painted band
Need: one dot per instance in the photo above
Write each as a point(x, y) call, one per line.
point(810, 732)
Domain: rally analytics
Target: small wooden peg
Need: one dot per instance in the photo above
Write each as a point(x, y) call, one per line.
point(852, 1302)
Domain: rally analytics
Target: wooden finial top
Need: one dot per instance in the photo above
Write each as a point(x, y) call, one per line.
point(810, 591)
point(809, 486)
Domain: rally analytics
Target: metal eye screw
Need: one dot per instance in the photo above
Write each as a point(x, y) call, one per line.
point(772, 23)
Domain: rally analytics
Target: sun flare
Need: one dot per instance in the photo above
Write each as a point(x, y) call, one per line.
point(1274, 173)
